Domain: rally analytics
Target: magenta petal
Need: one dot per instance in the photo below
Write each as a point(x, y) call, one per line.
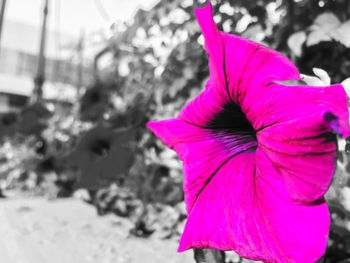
point(240, 68)
point(213, 44)
point(203, 108)
point(296, 115)
point(257, 185)
point(248, 210)
point(245, 207)
point(201, 151)
point(301, 143)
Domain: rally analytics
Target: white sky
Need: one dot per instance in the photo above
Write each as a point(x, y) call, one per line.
point(72, 16)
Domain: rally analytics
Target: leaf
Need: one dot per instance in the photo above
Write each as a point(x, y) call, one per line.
point(346, 85)
point(296, 41)
point(320, 30)
point(254, 32)
point(346, 198)
point(323, 75)
point(321, 79)
point(342, 34)
point(311, 80)
point(32, 118)
point(327, 21)
point(316, 37)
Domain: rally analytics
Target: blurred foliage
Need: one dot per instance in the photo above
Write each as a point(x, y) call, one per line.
point(157, 65)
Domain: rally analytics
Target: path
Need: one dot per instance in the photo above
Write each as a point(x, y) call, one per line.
point(36, 230)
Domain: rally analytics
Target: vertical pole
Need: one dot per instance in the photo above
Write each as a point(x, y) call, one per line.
point(80, 53)
point(56, 75)
point(40, 74)
point(2, 14)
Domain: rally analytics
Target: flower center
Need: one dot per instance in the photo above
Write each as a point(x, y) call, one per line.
point(233, 127)
point(100, 147)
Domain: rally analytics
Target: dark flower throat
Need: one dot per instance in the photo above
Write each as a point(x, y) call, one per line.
point(234, 130)
point(232, 121)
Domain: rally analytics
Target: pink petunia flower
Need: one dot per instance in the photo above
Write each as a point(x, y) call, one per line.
point(258, 156)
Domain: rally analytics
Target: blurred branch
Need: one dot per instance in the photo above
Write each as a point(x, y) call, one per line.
point(102, 11)
point(124, 37)
point(40, 75)
point(2, 14)
point(98, 56)
point(80, 53)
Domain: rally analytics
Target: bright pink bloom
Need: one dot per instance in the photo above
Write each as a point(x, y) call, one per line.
point(258, 156)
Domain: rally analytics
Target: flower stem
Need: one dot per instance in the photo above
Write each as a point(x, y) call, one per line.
point(204, 255)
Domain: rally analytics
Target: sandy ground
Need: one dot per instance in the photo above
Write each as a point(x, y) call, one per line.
point(69, 231)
